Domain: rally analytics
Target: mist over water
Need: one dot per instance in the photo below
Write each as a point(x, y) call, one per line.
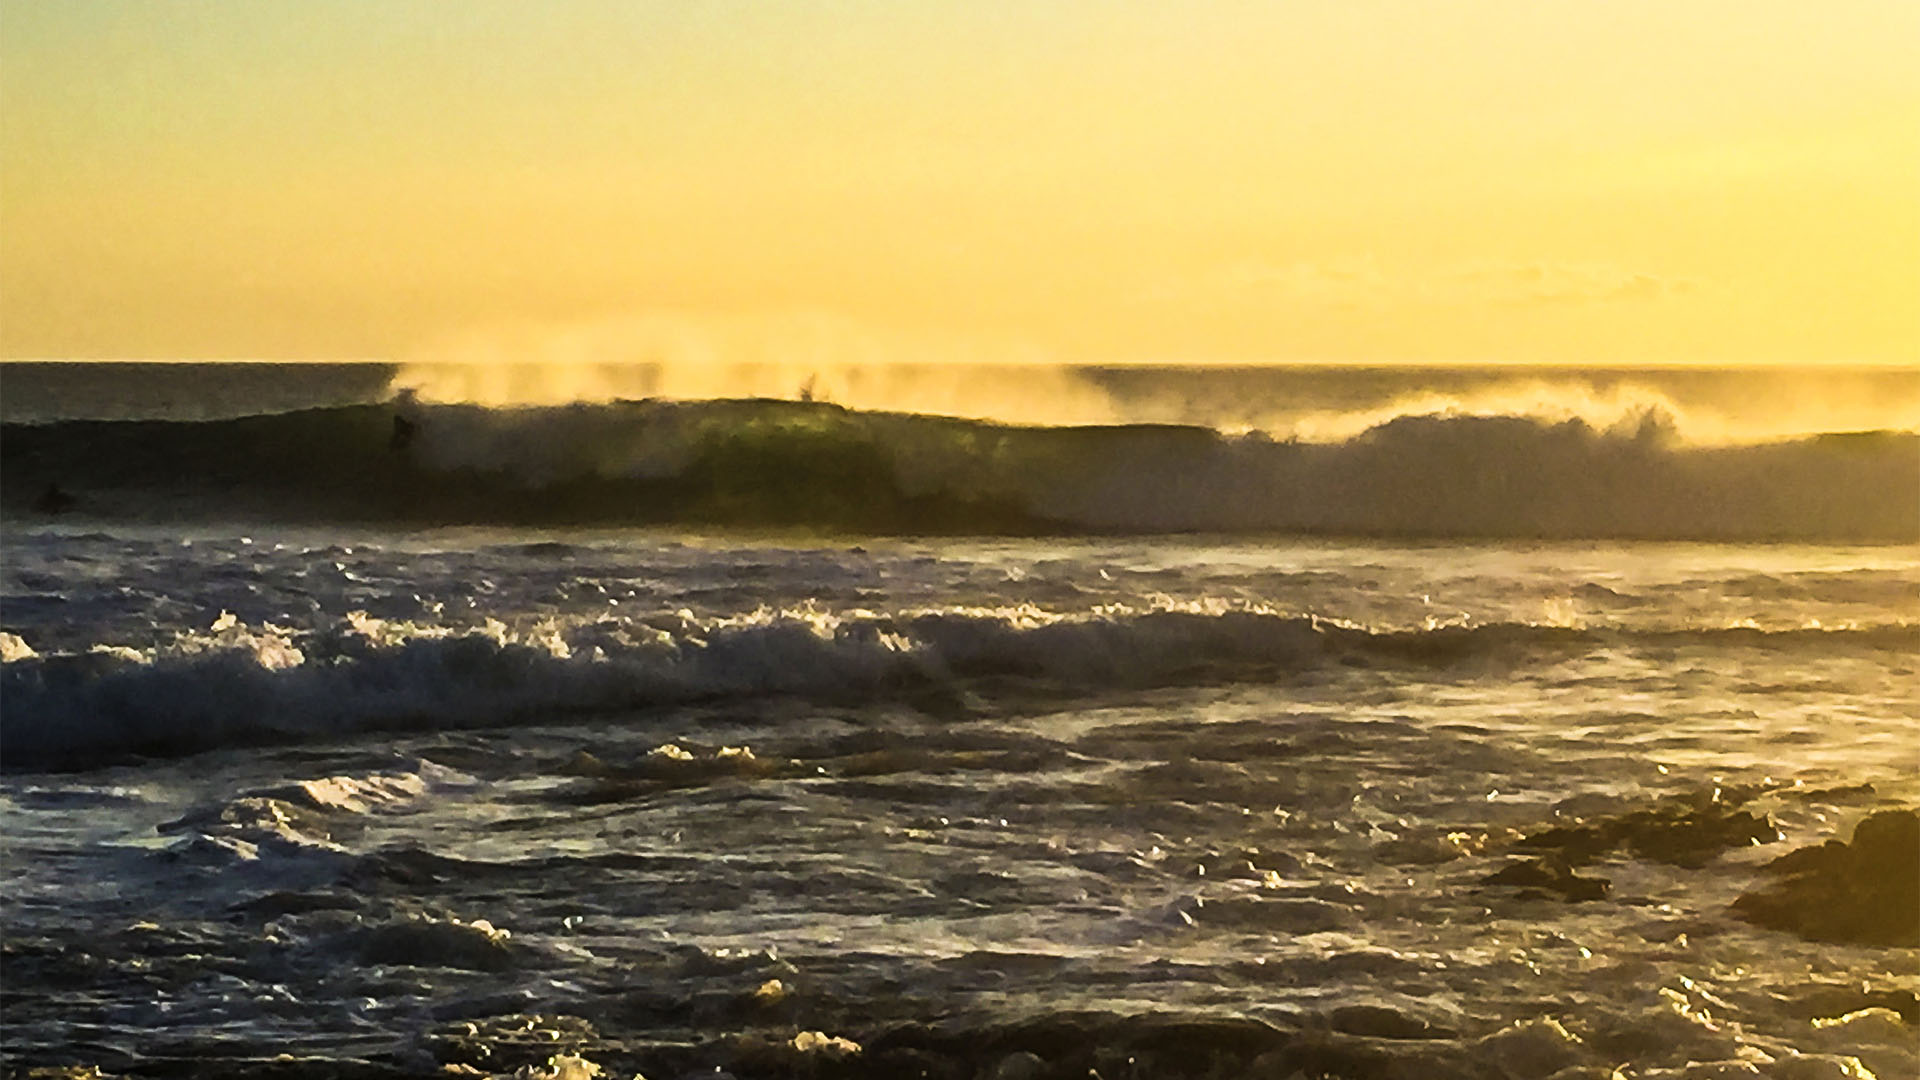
point(817, 356)
point(962, 448)
point(1313, 403)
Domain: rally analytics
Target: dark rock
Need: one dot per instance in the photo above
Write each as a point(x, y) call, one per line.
point(1865, 892)
point(1889, 835)
point(1682, 835)
point(1841, 793)
point(1552, 875)
point(1807, 860)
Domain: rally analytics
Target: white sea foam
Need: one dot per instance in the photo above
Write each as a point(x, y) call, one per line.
point(237, 684)
point(14, 647)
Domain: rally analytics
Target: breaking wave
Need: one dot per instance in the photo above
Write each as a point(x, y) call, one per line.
point(247, 685)
point(821, 466)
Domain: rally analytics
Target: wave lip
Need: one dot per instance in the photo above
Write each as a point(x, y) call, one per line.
point(263, 686)
point(815, 465)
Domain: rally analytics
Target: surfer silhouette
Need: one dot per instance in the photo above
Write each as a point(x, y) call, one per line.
point(404, 428)
point(403, 432)
point(54, 501)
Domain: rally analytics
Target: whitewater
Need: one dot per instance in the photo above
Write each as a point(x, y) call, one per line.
point(347, 730)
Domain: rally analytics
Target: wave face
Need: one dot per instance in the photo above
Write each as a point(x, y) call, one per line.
point(246, 685)
point(821, 466)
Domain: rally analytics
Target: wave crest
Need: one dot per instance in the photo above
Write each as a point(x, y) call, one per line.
point(760, 463)
point(237, 687)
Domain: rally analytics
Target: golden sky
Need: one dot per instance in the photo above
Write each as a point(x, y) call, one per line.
point(1603, 181)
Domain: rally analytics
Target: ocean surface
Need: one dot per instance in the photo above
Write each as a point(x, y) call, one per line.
point(1312, 722)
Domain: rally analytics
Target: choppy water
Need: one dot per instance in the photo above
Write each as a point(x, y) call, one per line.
point(665, 802)
point(334, 745)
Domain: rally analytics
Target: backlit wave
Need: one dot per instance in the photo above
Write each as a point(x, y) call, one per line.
point(820, 466)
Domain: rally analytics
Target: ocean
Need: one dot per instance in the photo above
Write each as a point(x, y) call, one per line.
point(1178, 722)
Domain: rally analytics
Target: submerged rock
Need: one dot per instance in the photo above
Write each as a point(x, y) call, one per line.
point(1552, 875)
point(1685, 835)
point(1866, 892)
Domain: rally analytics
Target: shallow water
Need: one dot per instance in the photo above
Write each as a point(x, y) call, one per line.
point(374, 799)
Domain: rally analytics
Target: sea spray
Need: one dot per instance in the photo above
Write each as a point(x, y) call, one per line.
point(821, 466)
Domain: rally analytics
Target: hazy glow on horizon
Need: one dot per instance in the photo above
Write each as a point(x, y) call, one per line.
point(1720, 181)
